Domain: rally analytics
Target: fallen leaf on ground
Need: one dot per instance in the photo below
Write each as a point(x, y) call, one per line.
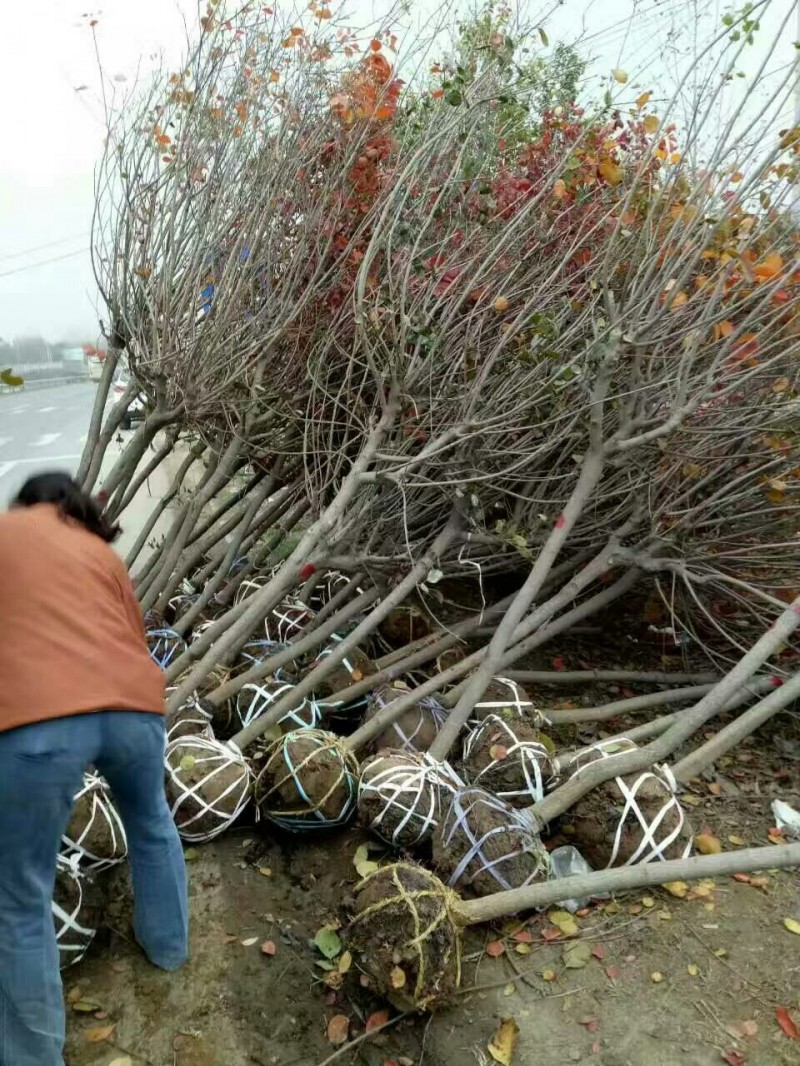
point(612, 908)
point(737, 841)
point(495, 948)
point(707, 844)
point(721, 953)
point(577, 955)
point(677, 888)
point(591, 1023)
point(792, 925)
point(551, 934)
point(376, 1020)
point(656, 977)
point(564, 921)
point(665, 916)
point(398, 977)
point(361, 855)
point(338, 1029)
point(345, 962)
point(524, 936)
point(748, 1028)
point(191, 855)
point(265, 871)
point(613, 973)
point(776, 836)
point(648, 901)
point(619, 75)
point(715, 788)
point(98, 1033)
point(744, 878)
point(126, 1060)
point(86, 1006)
point(787, 1023)
point(693, 969)
point(364, 869)
point(733, 1058)
point(523, 949)
point(509, 989)
point(504, 1041)
point(328, 942)
point(268, 947)
point(548, 975)
point(250, 941)
point(599, 952)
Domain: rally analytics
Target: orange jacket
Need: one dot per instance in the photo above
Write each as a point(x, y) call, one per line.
point(71, 633)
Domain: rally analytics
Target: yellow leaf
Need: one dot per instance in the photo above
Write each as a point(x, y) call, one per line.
point(781, 385)
point(509, 989)
point(792, 925)
point(397, 977)
point(675, 158)
point(504, 1041)
point(677, 888)
point(610, 171)
point(720, 953)
point(364, 869)
point(643, 99)
point(736, 841)
point(665, 916)
point(523, 949)
point(345, 962)
point(274, 76)
point(648, 901)
point(678, 300)
point(126, 1060)
point(98, 1033)
point(769, 267)
point(703, 889)
point(564, 921)
point(656, 977)
point(265, 871)
point(560, 189)
point(619, 75)
point(501, 304)
point(692, 969)
point(707, 844)
point(651, 123)
point(736, 177)
point(548, 975)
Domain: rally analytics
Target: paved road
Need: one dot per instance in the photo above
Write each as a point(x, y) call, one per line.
point(40, 430)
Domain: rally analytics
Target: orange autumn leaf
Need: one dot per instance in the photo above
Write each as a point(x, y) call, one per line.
point(643, 99)
point(274, 76)
point(164, 140)
point(678, 300)
point(296, 31)
point(375, 46)
point(769, 267)
point(610, 171)
point(560, 189)
point(324, 13)
point(437, 94)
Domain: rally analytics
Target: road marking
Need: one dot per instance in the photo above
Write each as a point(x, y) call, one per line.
point(45, 439)
point(5, 440)
point(18, 411)
point(47, 459)
point(6, 467)
point(46, 410)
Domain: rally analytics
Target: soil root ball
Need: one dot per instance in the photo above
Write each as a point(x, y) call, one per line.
point(255, 700)
point(255, 652)
point(354, 667)
point(400, 796)
point(507, 699)
point(223, 720)
point(510, 759)
point(75, 913)
point(406, 936)
point(403, 625)
point(632, 819)
point(194, 718)
point(309, 781)
point(284, 622)
point(165, 645)
point(208, 786)
point(331, 583)
point(95, 837)
point(484, 845)
point(415, 729)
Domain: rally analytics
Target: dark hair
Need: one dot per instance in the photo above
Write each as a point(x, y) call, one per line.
point(62, 490)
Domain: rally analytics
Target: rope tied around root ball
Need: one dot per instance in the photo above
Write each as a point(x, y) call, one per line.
point(309, 781)
point(254, 700)
point(165, 645)
point(403, 899)
point(416, 729)
point(399, 795)
point(508, 698)
point(508, 759)
point(72, 935)
point(95, 837)
point(208, 786)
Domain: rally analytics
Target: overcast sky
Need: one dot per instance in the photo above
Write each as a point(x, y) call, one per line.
point(53, 128)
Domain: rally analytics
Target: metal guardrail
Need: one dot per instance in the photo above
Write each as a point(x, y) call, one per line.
point(43, 383)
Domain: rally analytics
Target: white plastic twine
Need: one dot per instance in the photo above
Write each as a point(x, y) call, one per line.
point(165, 645)
point(650, 848)
point(515, 702)
point(407, 786)
point(332, 581)
point(196, 716)
point(428, 710)
point(101, 809)
point(459, 820)
point(531, 756)
point(282, 768)
point(256, 651)
point(286, 621)
point(72, 937)
point(322, 703)
point(254, 700)
point(189, 804)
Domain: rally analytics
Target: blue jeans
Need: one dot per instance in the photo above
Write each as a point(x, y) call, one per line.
point(41, 768)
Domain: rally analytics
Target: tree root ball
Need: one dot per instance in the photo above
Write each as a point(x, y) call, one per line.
point(284, 622)
point(194, 718)
point(255, 700)
point(484, 845)
point(165, 646)
point(400, 796)
point(208, 786)
point(506, 699)
point(255, 652)
point(403, 625)
point(95, 837)
point(331, 583)
point(309, 781)
point(510, 759)
point(451, 657)
point(405, 936)
point(75, 913)
point(354, 667)
point(415, 729)
point(632, 819)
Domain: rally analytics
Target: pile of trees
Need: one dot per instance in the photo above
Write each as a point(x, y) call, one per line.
point(406, 313)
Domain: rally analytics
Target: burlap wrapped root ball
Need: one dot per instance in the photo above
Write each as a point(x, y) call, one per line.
point(95, 837)
point(76, 913)
point(404, 934)
point(506, 699)
point(510, 759)
point(194, 718)
point(208, 786)
point(631, 819)
point(308, 781)
point(253, 701)
point(484, 845)
point(415, 729)
point(403, 625)
point(401, 794)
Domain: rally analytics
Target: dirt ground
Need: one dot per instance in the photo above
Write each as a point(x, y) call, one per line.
point(669, 981)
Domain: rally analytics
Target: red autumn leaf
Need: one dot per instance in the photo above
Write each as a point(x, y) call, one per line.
point(375, 46)
point(744, 878)
point(268, 947)
point(338, 1029)
point(599, 952)
point(558, 663)
point(376, 1020)
point(524, 936)
point(560, 522)
point(787, 1023)
point(495, 948)
point(733, 1058)
point(306, 571)
point(591, 1024)
point(551, 934)
point(613, 973)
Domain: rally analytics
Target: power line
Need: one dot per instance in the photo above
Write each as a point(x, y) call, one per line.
point(43, 262)
point(41, 247)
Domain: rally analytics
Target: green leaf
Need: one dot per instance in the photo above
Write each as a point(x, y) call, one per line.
point(325, 965)
point(577, 955)
point(454, 98)
point(328, 942)
point(187, 762)
point(10, 379)
point(543, 37)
